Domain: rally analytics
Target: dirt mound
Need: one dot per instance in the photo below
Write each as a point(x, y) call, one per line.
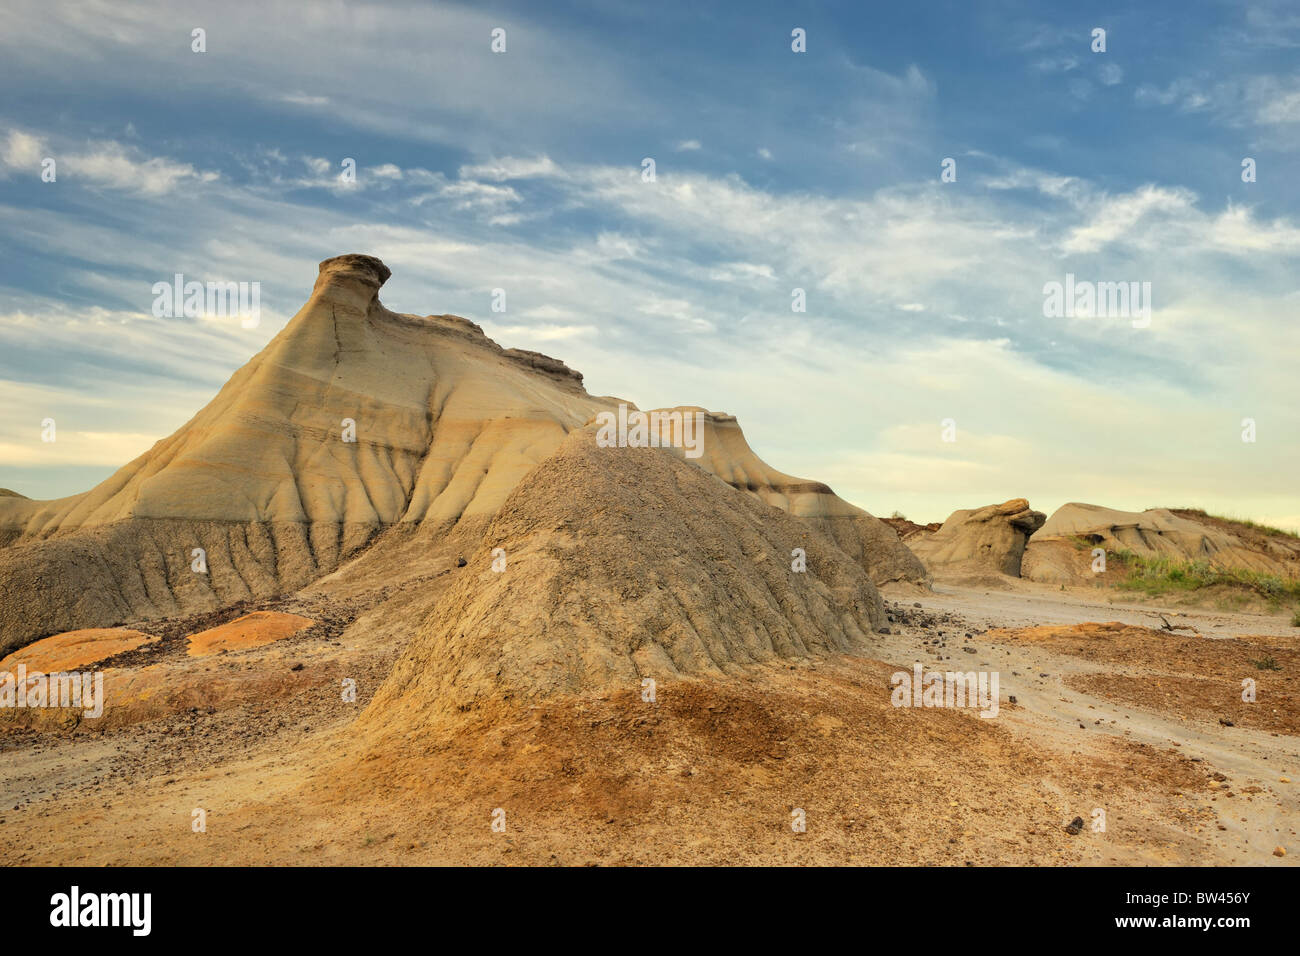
point(618, 564)
point(862, 536)
point(991, 538)
point(610, 780)
point(1061, 551)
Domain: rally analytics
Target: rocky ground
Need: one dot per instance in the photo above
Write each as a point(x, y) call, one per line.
point(713, 770)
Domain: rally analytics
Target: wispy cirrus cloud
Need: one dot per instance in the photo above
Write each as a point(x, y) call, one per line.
point(775, 172)
point(108, 164)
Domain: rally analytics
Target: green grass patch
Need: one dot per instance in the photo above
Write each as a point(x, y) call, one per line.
point(1245, 522)
point(1158, 576)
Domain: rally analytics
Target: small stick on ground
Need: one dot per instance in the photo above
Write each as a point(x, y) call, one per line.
point(1176, 627)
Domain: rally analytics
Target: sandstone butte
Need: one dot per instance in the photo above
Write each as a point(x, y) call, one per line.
point(447, 425)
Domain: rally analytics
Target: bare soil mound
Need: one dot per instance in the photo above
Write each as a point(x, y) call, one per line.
point(621, 564)
point(862, 536)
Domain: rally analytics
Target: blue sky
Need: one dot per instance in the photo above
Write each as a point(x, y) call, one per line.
point(775, 170)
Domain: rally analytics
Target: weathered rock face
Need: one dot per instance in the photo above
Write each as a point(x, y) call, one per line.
point(865, 538)
point(623, 563)
point(1061, 551)
point(265, 480)
point(906, 528)
point(992, 538)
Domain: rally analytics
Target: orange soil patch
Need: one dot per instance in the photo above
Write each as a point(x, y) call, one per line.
point(1186, 675)
point(1272, 710)
point(74, 650)
point(251, 630)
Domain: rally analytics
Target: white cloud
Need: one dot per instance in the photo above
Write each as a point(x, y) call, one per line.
point(742, 271)
point(1235, 230)
point(1281, 108)
point(528, 334)
point(303, 99)
point(1056, 64)
point(397, 68)
point(22, 151)
point(500, 170)
point(116, 167)
point(1114, 217)
point(709, 260)
point(473, 192)
point(612, 245)
point(106, 164)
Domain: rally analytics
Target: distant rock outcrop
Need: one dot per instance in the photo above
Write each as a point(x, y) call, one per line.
point(906, 527)
point(991, 538)
point(1061, 551)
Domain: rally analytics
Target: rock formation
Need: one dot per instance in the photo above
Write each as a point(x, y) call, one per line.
point(1061, 551)
point(991, 538)
point(356, 445)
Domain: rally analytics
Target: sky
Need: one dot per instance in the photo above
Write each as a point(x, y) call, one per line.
point(922, 376)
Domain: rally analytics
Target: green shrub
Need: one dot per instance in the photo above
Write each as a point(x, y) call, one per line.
point(1160, 575)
